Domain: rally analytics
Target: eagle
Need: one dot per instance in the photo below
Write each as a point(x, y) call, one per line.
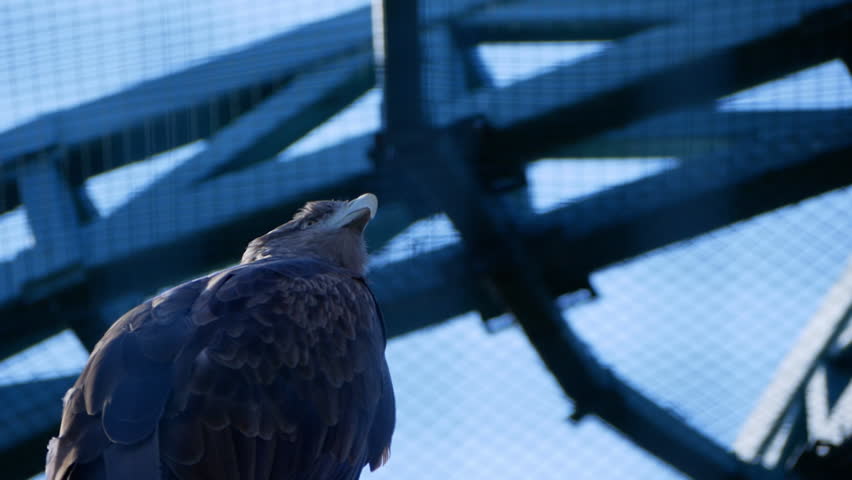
point(271, 369)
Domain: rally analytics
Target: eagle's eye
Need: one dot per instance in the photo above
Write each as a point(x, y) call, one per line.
point(309, 223)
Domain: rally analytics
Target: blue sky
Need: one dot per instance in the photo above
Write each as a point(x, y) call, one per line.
point(698, 325)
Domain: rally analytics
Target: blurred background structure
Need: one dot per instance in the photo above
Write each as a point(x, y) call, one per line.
point(613, 240)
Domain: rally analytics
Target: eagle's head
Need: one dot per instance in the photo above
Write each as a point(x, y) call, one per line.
point(328, 230)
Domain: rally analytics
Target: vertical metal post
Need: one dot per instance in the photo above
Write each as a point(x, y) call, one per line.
point(396, 40)
point(51, 213)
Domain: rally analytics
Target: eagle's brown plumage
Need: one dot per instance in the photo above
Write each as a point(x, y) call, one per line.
point(272, 369)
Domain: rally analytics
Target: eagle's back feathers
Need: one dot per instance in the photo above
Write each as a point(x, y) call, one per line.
point(268, 370)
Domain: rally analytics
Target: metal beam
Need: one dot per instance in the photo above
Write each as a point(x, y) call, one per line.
point(554, 20)
point(261, 134)
point(690, 133)
point(176, 109)
point(268, 62)
point(56, 260)
point(720, 48)
point(285, 117)
point(822, 461)
point(49, 200)
point(179, 216)
point(451, 70)
point(400, 65)
point(702, 194)
point(173, 110)
point(791, 377)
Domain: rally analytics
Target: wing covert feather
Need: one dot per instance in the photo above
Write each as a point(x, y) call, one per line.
point(117, 402)
point(308, 338)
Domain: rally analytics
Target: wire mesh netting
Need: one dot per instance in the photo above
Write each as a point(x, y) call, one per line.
point(237, 113)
